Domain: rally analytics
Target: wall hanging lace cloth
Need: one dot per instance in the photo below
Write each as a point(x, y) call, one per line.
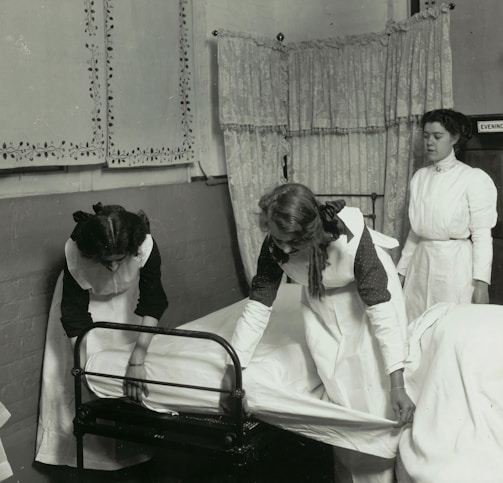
point(96, 81)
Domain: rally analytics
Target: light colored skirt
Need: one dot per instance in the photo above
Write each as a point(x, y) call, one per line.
point(439, 271)
point(56, 444)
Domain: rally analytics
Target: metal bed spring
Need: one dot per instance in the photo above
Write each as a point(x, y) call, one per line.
point(242, 439)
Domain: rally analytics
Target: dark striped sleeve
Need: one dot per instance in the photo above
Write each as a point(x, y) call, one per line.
point(152, 301)
point(75, 315)
point(265, 283)
point(370, 275)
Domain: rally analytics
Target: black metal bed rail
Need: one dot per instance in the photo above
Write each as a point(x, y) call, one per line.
point(373, 196)
point(124, 419)
point(120, 419)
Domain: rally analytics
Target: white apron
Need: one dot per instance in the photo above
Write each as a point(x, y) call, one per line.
point(439, 271)
point(5, 469)
point(113, 298)
point(347, 355)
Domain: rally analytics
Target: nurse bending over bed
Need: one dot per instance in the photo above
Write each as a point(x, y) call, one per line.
point(353, 310)
point(112, 273)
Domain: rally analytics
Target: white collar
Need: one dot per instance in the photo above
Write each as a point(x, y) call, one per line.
point(445, 164)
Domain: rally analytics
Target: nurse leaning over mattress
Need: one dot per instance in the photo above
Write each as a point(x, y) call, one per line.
point(112, 273)
point(448, 254)
point(355, 322)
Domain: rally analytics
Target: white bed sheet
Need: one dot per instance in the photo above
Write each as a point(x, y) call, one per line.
point(282, 356)
point(453, 373)
point(281, 382)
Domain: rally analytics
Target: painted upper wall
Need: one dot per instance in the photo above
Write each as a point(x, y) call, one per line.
point(477, 56)
point(296, 19)
point(55, 87)
point(299, 20)
point(477, 73)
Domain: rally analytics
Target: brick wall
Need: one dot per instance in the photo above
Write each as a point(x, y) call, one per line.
point(194, 228)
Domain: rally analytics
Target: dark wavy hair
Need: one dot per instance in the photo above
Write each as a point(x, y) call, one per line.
point(110, 231)
point(454, 122)
point(296, 212)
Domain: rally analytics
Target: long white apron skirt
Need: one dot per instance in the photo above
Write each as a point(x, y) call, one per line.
point(439, 271)
point(349, 362)
point(56, 443)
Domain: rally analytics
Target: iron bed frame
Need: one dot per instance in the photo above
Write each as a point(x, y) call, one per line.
point(239, 438)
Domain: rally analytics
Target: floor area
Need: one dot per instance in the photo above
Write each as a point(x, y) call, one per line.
point(293, 460)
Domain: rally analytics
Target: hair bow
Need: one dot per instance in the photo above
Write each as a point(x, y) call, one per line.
point(328, 214)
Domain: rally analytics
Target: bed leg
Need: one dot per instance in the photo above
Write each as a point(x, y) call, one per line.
point(80, 452)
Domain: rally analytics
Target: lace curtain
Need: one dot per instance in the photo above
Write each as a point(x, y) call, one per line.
point(419, 78)
point(253, 115)
point(354, 108)
point(349, 108)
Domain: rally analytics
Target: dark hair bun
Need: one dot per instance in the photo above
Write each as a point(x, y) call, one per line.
point(453, 121)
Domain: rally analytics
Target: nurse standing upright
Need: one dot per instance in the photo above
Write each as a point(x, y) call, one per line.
point(448, 254)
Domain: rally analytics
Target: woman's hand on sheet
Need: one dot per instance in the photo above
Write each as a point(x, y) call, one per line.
point(480, 292)
point(227, 402)
point(402, 405)
point(136, 389)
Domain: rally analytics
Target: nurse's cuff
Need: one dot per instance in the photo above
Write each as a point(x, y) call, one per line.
point(389, 334)
point(482, 254)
